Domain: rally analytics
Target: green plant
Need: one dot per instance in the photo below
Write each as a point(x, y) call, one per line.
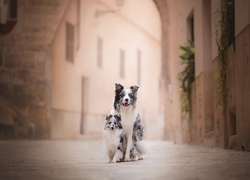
point(225, 37)
point(186, 76)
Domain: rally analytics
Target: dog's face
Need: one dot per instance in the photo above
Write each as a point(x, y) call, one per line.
point(113, 122)
point(125, 97)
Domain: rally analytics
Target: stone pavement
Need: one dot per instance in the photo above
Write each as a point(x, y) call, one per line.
point(87, 160)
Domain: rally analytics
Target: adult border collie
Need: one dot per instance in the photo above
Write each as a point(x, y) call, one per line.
point(125, 105)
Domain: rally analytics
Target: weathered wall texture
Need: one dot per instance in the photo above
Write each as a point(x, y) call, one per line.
point(25, 69)
point(242, 85)
point(213, 124)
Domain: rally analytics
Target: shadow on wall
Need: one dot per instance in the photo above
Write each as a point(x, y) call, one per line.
point(13, 125)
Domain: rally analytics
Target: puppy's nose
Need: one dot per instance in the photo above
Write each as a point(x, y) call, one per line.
point(126, 99)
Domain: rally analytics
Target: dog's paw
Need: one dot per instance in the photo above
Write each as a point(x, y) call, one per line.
point(118, 161)
point(114, 160)
point(140, 158)
point(127, 159)
point(133, 158)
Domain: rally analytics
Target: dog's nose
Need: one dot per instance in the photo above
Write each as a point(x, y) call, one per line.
point(126, 99)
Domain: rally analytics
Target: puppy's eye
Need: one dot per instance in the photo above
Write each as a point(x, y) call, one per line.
point(109, 122)
point(131, 95)
point(115, 123)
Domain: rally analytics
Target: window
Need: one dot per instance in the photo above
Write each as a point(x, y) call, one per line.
point(69, 42)
point(78, 23)
point(230, 8)
point(139, 66)
point(190, 22)
point(8, 15)
point(99, 52)
point(12, 9)
point(122, 64)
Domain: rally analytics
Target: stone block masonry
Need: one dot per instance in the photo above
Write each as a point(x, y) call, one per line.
point(25, 59)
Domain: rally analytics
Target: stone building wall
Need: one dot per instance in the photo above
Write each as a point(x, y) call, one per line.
point(214, 124)
point(25, 62)
point(242, 85)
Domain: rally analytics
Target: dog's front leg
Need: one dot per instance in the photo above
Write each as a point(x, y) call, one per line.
point(118, 156)
point(129, 146)
point(110, 155)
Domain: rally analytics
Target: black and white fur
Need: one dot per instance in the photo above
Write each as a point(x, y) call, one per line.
point(114, 138)
point(125, 105)
point(139, 146)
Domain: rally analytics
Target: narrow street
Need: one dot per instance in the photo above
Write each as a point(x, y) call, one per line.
point(87, 160)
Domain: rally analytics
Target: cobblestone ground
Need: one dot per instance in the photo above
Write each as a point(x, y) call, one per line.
point(87, 160)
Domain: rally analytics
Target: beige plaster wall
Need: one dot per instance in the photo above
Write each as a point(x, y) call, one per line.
point(130, 28)
point(179, 35)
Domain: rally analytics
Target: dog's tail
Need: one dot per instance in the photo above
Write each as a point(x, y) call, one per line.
point(143, 148)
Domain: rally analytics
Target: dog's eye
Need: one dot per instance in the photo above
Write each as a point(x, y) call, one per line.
point(115, 123)
point(131, 95)
point(109, 122)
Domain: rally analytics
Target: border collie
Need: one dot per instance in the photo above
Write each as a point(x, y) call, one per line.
point(125, 105)
point(114, 138)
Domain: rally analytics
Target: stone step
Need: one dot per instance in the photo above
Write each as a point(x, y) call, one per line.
point(12, 121)
point(52, 11)
point(46, 3)
point(41, 20)
point(37, 28)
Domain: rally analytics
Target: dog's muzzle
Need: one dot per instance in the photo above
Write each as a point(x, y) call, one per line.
point(126, 104)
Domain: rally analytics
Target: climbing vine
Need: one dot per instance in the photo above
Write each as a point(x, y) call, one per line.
point(225, 37)
point(186, 77)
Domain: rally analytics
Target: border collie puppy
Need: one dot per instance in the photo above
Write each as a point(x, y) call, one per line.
point(125, 105)
point(113, 137)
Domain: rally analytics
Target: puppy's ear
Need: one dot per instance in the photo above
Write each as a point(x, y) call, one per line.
point(108, 117)
point(118, 87)
point(134, 89)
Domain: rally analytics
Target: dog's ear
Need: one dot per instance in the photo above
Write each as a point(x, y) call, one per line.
point(118, 87)
point(134, 89)
point(108, 117)
point(118, 117)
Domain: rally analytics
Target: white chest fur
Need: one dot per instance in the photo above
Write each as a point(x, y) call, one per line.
point(128, 116)
point(112, 138)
